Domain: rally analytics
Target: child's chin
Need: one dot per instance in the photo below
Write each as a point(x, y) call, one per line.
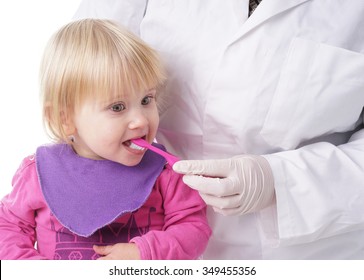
point(131, 162)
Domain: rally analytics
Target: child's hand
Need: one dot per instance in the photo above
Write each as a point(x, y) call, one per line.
point(119, 251)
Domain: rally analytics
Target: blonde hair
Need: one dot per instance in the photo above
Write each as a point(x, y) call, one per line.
point(92, 58)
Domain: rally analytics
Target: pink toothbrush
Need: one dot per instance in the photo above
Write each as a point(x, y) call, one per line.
point(171, 159)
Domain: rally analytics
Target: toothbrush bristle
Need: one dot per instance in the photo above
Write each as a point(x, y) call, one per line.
point(136, 147)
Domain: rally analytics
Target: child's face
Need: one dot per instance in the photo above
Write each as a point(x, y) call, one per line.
point(103, 129)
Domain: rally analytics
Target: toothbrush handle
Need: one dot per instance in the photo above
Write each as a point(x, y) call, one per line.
point(171, 159)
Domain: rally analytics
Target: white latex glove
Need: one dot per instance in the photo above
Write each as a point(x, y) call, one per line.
point(232, 186)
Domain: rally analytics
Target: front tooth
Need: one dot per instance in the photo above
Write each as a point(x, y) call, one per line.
point(136, 147)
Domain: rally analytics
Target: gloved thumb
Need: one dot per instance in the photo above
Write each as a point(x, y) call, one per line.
point(210, 168)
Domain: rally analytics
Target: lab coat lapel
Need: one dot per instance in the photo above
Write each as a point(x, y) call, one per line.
point(266, 10)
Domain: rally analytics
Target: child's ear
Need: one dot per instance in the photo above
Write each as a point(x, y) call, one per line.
point(67, 124)
point(69, 129)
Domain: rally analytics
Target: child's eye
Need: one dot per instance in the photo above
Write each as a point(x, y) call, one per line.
point(117, 107)
point(146, 100)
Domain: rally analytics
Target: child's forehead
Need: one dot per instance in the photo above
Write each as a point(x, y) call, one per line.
point(111, 96)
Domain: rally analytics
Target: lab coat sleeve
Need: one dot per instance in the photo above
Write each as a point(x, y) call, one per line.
point(186, 232)
point(17, 216)
point(129, 13)
point(319, 192)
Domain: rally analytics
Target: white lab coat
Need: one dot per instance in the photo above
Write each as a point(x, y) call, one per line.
point(286, 83)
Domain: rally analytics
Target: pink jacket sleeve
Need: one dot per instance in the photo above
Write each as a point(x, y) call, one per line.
point(17, 215)
point(186, 231)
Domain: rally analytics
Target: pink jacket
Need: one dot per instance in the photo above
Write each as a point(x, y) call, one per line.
point(170, 225)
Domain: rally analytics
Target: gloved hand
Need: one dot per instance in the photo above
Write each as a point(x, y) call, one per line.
point(232, 186)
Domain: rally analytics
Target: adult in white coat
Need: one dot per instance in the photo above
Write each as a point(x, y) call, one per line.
point(285, 86)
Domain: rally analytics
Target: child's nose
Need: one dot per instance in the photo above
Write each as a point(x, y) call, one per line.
point(137, 120)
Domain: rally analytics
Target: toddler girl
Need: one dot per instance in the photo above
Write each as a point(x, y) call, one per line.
point(93, 194)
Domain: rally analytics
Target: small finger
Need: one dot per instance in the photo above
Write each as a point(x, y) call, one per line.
point(102, 250)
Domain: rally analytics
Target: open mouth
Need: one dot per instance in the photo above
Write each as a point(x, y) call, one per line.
point(133, 146)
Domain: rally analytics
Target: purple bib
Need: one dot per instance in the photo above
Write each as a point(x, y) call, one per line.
point(86, 195)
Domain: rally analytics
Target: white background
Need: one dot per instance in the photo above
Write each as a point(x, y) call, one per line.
point(25, 27)
point(202, 269)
